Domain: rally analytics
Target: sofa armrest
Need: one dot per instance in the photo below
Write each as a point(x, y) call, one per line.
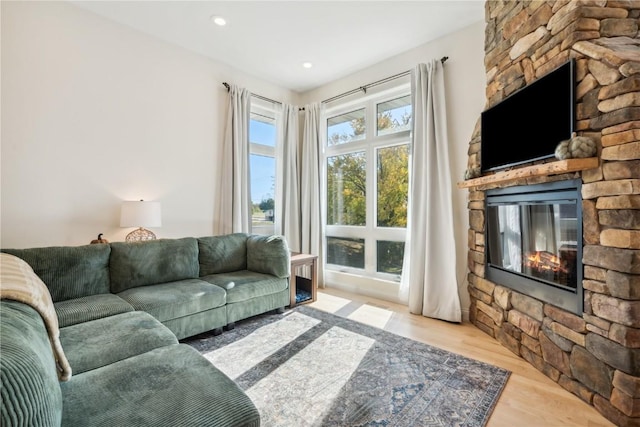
point(31, 394)
point(269, 255)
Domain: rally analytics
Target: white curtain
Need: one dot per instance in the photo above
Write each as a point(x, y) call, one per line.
point(429, 271)
point(287, 214)
point(234, 205)
point(310, 202)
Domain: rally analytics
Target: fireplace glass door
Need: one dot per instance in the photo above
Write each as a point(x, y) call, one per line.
point(537, 240)
point(536, 234)
point(533, 241)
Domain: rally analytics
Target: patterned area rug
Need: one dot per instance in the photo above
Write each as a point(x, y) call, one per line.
point(311, 368)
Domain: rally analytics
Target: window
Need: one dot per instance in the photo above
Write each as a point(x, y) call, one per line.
point(262, 166)
point(366, 185)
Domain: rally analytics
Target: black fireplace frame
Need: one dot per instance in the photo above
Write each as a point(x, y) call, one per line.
point(553, 293)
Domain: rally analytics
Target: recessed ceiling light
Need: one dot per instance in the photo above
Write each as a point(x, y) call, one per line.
point(219, 20)
point(307, 64)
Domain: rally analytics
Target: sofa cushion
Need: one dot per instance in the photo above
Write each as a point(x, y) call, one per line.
point(176, 299)
point(100, 342)
point(269, 255)
point(151, 262)
point(93, 307)
point(69, 272)
point(30, 389)
point(221, 254)
point(248, 284)
point(169, 386)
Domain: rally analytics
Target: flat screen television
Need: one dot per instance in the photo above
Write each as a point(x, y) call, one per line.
point(529, 124)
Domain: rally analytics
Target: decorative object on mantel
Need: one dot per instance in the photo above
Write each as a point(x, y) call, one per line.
point(140, 214)
point(471, 173)
point(578, 147)
point(99, 240)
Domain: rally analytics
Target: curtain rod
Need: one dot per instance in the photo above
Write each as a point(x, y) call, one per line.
point(342, 95)
point(376, 83)
point(264, 98)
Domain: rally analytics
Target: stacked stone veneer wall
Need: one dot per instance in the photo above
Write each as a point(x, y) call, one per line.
point(595, 355)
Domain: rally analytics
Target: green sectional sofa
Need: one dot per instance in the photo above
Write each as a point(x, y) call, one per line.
point(122, 307)
point(190, 285)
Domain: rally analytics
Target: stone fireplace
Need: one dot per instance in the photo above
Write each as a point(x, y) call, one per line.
point(591, 349)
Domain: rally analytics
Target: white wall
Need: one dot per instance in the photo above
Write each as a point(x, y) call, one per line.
point(94, 113)
point(465, 83)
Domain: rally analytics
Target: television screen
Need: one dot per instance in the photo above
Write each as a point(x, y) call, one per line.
point(529, 124)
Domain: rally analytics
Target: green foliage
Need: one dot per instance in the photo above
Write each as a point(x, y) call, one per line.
point(266, 204)
point(346, 189)
point(393, 186)
point(346, 179)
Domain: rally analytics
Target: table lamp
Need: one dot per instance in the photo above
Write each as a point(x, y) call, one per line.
point(140, 214)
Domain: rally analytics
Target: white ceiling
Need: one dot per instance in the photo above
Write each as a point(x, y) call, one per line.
point(271, 39)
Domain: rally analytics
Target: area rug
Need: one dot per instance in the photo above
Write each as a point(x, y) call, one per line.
point(310, 368)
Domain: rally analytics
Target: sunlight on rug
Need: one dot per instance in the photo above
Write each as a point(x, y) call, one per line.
point(307, 384)
point(311, 368)
point(259, 344)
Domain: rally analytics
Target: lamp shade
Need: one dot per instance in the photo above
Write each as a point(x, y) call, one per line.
point(140, 214)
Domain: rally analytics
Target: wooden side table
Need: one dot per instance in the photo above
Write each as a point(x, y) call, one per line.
point(303, 289)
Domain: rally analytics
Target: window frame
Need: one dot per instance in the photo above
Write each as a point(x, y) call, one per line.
point(380, 283)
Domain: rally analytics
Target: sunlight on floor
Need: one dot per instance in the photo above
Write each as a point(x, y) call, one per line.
point(330, 303)
point(359, 311)
point(372, 316)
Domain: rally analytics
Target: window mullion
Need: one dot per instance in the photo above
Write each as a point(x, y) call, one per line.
point(370, 239)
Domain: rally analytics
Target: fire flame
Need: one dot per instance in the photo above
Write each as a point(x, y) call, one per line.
point(545, 261)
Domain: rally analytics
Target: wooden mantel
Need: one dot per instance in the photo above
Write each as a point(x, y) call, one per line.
point(552, 168)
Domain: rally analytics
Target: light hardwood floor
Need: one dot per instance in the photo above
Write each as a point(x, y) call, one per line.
point(529, 398)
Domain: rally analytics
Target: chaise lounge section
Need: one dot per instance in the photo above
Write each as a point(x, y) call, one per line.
point(171, 385)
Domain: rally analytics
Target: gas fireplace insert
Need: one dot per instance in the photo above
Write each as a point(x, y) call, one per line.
point(534, 241)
